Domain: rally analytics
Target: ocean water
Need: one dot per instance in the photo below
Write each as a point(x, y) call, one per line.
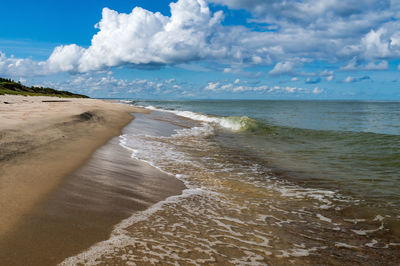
point(268, 182)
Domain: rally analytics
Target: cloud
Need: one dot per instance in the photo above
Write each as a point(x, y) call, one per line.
point(313, 81)
point(383, 65)
point(226, 87)
point(317, 90)
point(98, 84)
point(284, 90)
point(299, 32)
point(234, 87)
point(351, 65)
point(350, 79)
point(282, 68)
point(288, 67)
point(307, 11)
point(374, 45)
point(294, 79)
point(355, 64)
point(326, 73)
point(17, 67)
point(212, 86)
point(65, 58)
point(143, 37)
point(327, 29)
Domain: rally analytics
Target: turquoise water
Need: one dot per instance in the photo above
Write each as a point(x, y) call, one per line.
point(374, 117)
point(350, 147)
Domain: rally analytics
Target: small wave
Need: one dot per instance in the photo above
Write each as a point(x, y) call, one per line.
point(203, 131)
point(127, 101)
point(236, 123)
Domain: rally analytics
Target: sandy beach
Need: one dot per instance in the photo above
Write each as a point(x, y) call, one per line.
point(51, 203)
point(84, 184)
point(200, 132)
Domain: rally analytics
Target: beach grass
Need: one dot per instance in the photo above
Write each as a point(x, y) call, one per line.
point(10, 87)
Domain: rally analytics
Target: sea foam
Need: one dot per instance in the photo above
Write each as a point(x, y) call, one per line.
point(236, 123)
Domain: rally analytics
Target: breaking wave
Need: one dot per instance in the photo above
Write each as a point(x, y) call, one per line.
point(235, 123)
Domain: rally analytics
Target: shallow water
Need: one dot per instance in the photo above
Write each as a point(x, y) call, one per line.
point(244, 204)
point(352, 147)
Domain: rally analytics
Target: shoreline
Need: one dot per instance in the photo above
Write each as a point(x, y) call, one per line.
point(243, 212)
point(81, 182)
point(32, 133)
point(86, 207)
point(103, 212)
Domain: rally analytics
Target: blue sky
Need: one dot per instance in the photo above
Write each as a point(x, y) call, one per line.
point(231, 49)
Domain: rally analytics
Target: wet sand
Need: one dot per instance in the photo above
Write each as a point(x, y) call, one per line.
point(83, 210)
point(47, 213)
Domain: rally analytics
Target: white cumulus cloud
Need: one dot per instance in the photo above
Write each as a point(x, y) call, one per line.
point(65, 58)
point(349, 79)
point(282, 68)
point(374, 44)
point(212, 86)
point(299, 32)
point(317, 90)
point(383, 65)
point(144, 38)
point(17, 67)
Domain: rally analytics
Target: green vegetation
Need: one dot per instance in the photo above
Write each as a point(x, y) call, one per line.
point(8, 86)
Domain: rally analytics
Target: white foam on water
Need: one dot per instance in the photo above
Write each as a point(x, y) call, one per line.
point(202, 131)
point(325, 197)
point(251, 259)
point(323, 218)
point(379, 218)
point(125, 101)
point(119, 237)
point(372, 243)
point(362, 232)
point(344, 245)
point(123, 143)
point(365, 232)
point(355, 221)
point(233, 123)
point(298, 252)
point(148, 152)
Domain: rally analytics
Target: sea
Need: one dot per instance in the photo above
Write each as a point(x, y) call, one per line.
point(268, 182)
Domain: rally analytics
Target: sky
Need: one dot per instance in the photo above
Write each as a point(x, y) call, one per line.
point(205, 49)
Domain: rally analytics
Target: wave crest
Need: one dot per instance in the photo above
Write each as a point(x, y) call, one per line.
point(235, 123)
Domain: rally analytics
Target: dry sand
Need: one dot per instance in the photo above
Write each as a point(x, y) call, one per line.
point(41, 142)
